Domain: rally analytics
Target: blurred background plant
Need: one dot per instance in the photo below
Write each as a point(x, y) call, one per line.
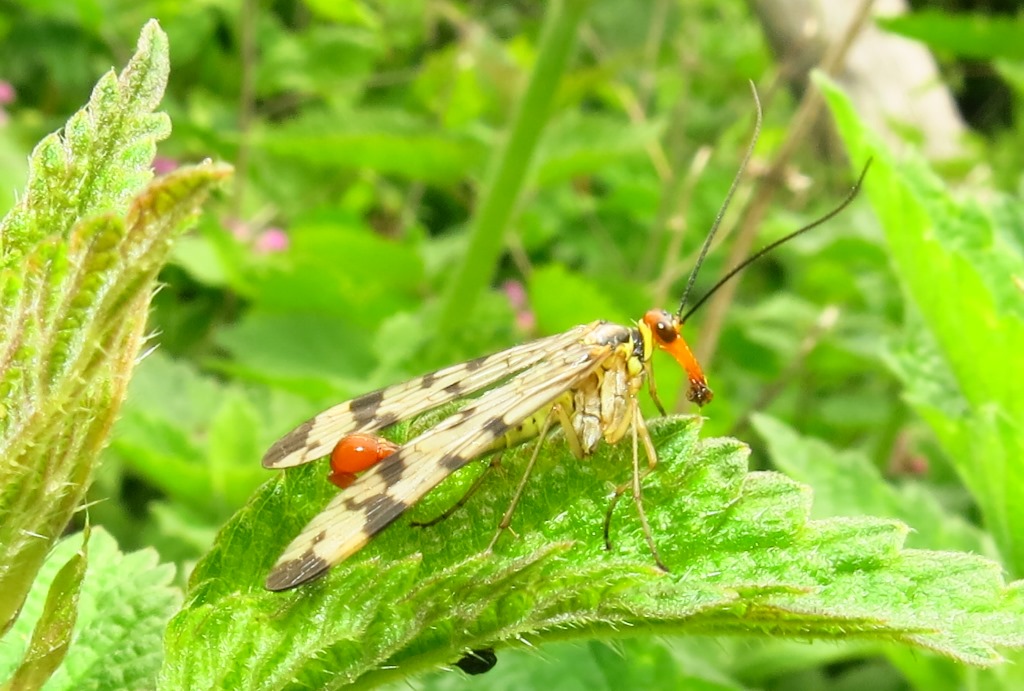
point(361, 133)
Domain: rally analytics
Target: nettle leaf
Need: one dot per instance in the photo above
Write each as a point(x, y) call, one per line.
point(848, 484)
point(81, 252)
point(744, 558)
point(974, 319)
point(122, 603)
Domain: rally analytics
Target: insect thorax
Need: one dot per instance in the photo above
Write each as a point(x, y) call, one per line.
point(603, 403)
point(599, 406)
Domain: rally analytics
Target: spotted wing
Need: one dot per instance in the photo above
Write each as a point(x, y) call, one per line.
point(316, 437)
point(389, 488)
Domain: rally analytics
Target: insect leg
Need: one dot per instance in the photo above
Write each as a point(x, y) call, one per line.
point(619, 491)
point(507, 518)
point(640, 430)
point(571, 437)
point(640, 433)
point(495, 462)
point(652, 389)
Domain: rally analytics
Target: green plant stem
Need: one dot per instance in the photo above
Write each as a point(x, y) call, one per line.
point(509, 167)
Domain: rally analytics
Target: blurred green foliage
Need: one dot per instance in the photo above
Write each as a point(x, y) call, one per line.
point(866, 359)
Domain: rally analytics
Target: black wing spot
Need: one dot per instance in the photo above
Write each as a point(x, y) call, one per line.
point(382, 511)
point(474, 365)
point(296, 572)
point(454, 461)
point(288, 445)
point(385, 420)
point(495, 427)
point(354, 505)
point(364, 408)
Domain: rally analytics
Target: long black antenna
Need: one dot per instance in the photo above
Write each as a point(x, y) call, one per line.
point(725, 204)
point(765, 250)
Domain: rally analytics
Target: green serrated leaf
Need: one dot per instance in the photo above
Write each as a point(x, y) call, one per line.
point(847, 484)
point(974, 315)
point(744, 558)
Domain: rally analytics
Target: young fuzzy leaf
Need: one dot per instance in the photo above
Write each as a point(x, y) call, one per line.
point(103, 157)
point(123, 603)
point(80, 255)
point(743, 555)
point(52, 634)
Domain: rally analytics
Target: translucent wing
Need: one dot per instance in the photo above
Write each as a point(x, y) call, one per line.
point(387, 489)
point(316, 437)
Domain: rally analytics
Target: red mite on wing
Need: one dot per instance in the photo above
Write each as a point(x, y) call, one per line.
point(356, 453)
point(585, 380)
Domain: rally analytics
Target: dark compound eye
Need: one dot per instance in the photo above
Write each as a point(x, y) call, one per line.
point(666, 331)
point(663, 325)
